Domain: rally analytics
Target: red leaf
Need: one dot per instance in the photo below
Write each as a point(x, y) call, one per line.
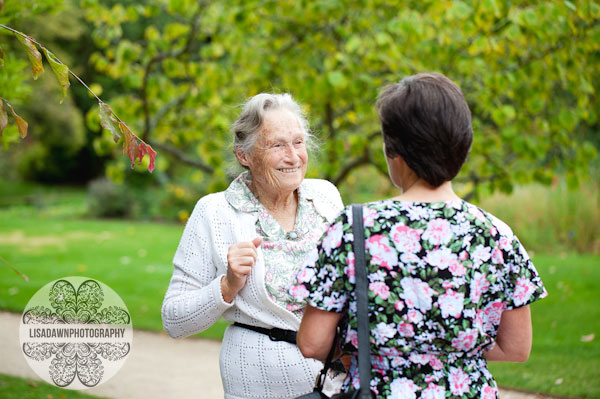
point(152, 155)
point(130, 144)
point(142, 151)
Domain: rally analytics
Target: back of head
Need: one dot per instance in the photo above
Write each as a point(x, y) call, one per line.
point(426, 120)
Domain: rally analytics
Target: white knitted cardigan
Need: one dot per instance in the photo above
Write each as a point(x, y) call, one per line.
point(194, 302)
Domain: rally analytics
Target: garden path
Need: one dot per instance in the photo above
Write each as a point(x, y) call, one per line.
point(157, 366)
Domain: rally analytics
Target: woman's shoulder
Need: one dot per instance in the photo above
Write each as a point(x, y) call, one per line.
point(503, 228)
point(212, 204)
point(319, 186)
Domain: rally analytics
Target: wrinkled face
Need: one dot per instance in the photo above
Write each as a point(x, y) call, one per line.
point(279, 159)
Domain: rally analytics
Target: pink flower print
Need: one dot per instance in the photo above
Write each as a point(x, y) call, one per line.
point(493, 231)
point(523, 291)
point(403, 388)
point(451, 303)
point(505, 244)
point(305, 275)
point(383, 332)
point(492, 314)
point(399, 306)
point(352, 336)
point(379, 247)
point(369, 216)
point(406, 330)
point(441, 258)
point(447, 284)
point(269, 277)
point(464, 255)
point(419, 358)
point(405, 239)
point(481, 254)
point(433, 391)
point(479, 285)
point(435, 363)
point(414, 316)
point(497, 256)
point(438, 232)
point(466, 340)
point(380, 289)
point(333, 238)
point(417, 293)
point(477, 213)
point(488, 392)
point(457, 269)
point(299, 292)
point(459, 381)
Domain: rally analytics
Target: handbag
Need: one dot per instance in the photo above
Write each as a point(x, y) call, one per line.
point(362, 312)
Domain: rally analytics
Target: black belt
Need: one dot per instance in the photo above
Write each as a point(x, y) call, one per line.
point(276, 334)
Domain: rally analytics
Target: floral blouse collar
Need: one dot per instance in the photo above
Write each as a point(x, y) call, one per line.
point(240, 197)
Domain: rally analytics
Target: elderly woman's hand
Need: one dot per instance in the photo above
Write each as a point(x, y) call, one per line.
point(240, 260)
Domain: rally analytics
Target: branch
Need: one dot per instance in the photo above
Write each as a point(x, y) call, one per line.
point(163, 111)
point(148, 125)
point(363, 160)
point(182, 157)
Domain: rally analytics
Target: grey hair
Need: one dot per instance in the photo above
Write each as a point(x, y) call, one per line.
point(250, 120)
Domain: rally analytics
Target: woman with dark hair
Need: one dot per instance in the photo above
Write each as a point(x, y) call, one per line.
point(449, 284)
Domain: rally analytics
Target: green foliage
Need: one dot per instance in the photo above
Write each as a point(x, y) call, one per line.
point(551, 219)
point(529, 73)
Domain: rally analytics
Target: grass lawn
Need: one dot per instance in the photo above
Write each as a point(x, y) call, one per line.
point(561, 363)
point(20, 388)
point(134, 258)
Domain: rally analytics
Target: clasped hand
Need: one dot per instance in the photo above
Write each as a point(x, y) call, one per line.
point(241, 258)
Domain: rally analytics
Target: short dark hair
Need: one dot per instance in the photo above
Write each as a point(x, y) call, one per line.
point(425, 119)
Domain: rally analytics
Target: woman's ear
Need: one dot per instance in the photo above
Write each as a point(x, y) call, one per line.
point(242, 157)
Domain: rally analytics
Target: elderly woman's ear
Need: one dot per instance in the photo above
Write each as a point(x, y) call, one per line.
point(242, 157)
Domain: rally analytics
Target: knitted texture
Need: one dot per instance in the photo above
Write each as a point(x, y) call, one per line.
point(194, 301)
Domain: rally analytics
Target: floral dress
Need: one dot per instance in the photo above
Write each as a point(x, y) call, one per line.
point(439, 275)
point(284, 252)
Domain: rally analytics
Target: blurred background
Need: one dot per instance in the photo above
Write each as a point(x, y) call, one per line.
point(177, 71)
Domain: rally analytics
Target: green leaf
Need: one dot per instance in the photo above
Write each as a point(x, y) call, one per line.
point(337, 79)
point(1, 57)
point(3, 118)
point(21, 123)
point(34, 56)
point(570, 5)
point(108, 121)
point(60, 70)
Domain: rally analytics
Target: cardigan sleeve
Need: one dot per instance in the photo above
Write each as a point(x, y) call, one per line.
point(194, 301)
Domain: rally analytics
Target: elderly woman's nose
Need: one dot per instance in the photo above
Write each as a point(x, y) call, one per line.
point(291, 151)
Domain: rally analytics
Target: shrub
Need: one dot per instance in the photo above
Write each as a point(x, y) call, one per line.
point(108, 199)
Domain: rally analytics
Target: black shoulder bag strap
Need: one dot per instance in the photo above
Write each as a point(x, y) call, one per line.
point(362, 303)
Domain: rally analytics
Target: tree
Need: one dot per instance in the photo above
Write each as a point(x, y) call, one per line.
point(133, 146)
point(529, 72)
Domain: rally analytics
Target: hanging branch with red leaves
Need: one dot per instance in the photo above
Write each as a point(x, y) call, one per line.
point(134, 147)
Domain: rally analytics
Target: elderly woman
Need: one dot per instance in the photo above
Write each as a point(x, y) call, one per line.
point(241, 249)
point(449, 284)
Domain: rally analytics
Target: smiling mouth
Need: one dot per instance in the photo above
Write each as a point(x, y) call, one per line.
point(294, 170)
